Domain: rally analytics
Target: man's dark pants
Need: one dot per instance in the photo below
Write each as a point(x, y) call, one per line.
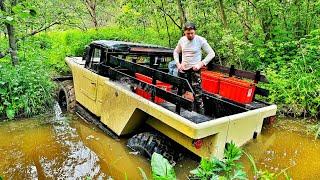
point(195, 81)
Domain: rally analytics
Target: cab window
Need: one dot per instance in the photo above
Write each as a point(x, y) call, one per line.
point(95, 59)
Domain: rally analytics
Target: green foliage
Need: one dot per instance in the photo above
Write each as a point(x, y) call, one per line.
point(317, 134)
point(51, 48)
point(295, 77)
point(227, 168)
point(25, 90)
point(161, 168)
point(44, 54)
point(280, 38)
point(315, 129)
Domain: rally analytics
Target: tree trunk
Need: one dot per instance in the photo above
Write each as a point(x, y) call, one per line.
point(157, 23)
point(11, 34)
point(91, 7)
point(223, 14)
point(165, 18)
point(183, 18)
point(243, 20)
point(306, 27)
point(246, 25)
point(266, 23)
point(12, 44)
point(298, 23)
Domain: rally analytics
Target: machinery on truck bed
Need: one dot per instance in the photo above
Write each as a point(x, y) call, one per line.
point(127, 86)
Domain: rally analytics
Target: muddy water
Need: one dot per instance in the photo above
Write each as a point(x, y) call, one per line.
point(286, 145)
point(68, 148)
point(32, 148)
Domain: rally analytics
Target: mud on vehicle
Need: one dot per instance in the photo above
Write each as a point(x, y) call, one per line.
point(126, 86)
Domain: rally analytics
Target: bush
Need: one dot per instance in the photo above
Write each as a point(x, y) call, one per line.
point(51, 48)
point(295, 76)
point(292, 67)
point(25, 90)
point(227, 168)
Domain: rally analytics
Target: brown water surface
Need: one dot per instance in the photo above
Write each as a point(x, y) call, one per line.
point(69, 148)
point(286, 145)
point(51, 149)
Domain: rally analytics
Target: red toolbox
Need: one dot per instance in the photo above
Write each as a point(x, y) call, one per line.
point(210, 81)
point(148, 80)
point(237, 90)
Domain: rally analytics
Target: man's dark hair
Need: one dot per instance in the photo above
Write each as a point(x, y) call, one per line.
point(189, 26)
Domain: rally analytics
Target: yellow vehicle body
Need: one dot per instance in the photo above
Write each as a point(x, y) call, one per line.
point(123, 112)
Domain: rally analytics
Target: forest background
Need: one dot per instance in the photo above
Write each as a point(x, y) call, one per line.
point(279, 37)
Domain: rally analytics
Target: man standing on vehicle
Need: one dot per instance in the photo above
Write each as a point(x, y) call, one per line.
point(190, 45)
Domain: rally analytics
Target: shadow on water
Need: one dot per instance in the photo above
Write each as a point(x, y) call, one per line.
point(68, 148)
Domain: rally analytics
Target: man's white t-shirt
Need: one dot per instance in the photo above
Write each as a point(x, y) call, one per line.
point(191, 51)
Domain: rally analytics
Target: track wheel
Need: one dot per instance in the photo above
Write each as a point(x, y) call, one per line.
point(66, 96)
point(149, 142)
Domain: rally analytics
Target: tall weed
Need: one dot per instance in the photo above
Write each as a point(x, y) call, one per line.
point(25, 90)
point(227, 168)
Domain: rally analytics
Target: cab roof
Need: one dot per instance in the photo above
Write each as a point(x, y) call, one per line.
point(122, 46)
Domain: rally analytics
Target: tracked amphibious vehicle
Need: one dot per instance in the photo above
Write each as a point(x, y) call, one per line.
point(126, 86)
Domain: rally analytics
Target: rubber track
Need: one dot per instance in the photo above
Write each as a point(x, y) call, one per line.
point(68, 89)
point(149, 142)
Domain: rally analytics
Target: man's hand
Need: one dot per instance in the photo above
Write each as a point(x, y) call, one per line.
point(198, 66)
point(188, 95)
point(181, 66)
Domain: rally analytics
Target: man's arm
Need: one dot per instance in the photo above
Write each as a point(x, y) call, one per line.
point(210, 53)
point(176, 53)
